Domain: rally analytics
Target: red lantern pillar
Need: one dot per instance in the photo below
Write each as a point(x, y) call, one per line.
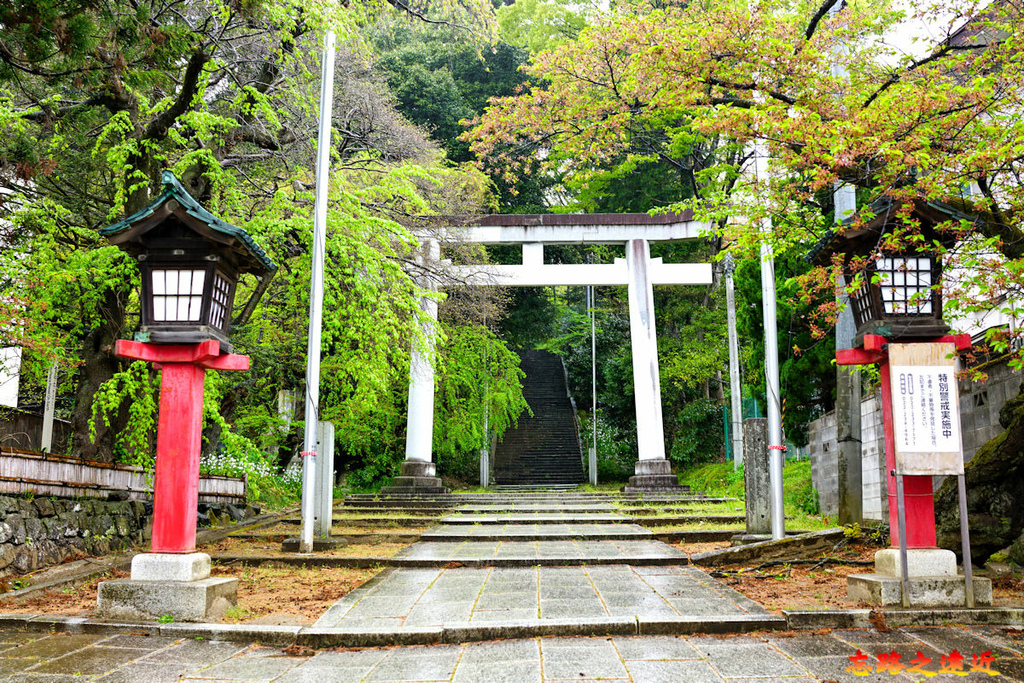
point(919, 501)
point(179, 433)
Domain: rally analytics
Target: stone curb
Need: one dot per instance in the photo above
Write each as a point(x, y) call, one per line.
point(610, 518)
point(526, 538)
point(459, 632)
point(464, 632)
point(897, 618)
point(372, 521)
point(447, 563)
point(353, 539)
point(788, 548)
point(691, 536)
point(649, 521)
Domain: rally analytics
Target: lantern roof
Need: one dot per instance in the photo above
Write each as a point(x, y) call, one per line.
point(860, 234)
point(175, 201)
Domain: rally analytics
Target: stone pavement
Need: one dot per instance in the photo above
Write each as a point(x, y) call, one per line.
point(60, 658)
point(537, 577)
point(587, 567)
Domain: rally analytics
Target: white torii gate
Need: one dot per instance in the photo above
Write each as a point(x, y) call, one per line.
point(638, 272)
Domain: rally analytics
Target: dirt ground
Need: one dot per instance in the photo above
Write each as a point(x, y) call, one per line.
point(295, 596)
point(270, 548)
point(819, 584)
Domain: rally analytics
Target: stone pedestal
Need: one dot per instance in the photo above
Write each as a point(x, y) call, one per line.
point(166, 584)
point(170, 567)
point(653, 476)
point(417, 477)
point(756, 483)
point(932, 580)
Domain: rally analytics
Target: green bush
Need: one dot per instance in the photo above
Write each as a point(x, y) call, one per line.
point(616, 452)
point(699, 435)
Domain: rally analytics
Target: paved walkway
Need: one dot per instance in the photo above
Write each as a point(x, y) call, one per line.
point(53, 658)
point(611, 572)
point(595, 576)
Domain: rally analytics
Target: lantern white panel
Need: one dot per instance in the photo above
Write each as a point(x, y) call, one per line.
point(198, 280)
point(182, 306)
point(159, 279)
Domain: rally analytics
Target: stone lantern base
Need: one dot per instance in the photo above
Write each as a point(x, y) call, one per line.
point(417, 477)
point(932, 580)
point(164, 585)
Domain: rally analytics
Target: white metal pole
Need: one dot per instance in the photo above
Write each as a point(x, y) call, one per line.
point(316, 296)
point(592, 460)
point(735, 391)
point(776, 449)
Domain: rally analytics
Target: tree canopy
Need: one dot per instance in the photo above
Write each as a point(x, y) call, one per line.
point(97, 99)
point(699, 83)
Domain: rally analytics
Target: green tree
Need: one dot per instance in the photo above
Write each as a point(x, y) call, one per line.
point(806, 361)
point(96, 100)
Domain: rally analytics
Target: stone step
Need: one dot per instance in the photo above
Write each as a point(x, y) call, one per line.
point(539, 518)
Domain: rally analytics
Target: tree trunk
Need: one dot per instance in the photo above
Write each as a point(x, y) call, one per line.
point(99, 365)
point(995, 493)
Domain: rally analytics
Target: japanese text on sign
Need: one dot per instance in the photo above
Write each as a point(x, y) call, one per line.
point(925, 409)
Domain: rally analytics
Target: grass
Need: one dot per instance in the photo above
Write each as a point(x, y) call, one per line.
point(798, 494)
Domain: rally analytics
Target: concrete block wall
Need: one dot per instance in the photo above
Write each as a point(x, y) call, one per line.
point(979, 417)
point(824, 450)
point(980, 404)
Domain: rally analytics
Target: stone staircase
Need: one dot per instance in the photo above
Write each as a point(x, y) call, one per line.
point(544, 449)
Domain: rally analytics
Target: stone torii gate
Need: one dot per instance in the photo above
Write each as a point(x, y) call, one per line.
point(638, 272)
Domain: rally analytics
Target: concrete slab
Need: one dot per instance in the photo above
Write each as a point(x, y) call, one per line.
point(205, 600)
point(937, 591)
point(742, 658)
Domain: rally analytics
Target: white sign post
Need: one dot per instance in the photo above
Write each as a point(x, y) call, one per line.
point(926, 425)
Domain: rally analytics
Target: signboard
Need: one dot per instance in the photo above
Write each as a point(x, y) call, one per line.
point(925, 409)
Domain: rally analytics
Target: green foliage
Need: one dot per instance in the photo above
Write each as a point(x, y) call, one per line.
point(479, 394)
point(440, 80)
point(806, 363)
point(695, 439)
point(236, 455)
point(720, 479)
point(616, 451)
point(715, 479)
point(56, 279)
point(134, 390)
point(538, 25)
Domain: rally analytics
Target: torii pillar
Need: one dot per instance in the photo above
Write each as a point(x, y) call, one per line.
point(419, 473)
point(653, 470)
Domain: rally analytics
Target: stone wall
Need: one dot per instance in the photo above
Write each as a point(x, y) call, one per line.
point(979, 417)
point(42, 531)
